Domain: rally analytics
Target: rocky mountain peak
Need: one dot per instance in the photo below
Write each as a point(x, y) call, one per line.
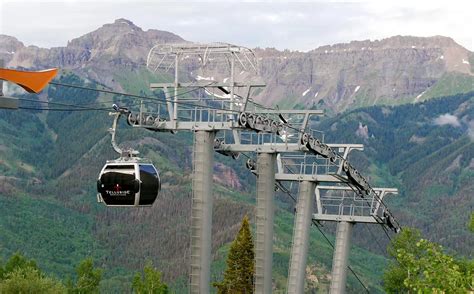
point(123, 21)
point(122, 34)
point(9, 46)
point(107, 36)
point(121, 43)
point(394, 70)
point(395, 42)
point(427, 42)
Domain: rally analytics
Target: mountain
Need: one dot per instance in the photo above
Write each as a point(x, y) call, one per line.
point(95, 55)
point(396, 70)
point(391, 71)
point(117, 42)
point(49, 161)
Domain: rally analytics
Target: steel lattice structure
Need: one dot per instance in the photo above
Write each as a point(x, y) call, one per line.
point(224, 119)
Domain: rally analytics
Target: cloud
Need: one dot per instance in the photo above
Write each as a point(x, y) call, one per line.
point(447, 119)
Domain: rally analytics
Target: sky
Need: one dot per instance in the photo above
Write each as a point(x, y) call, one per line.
point(280, 24)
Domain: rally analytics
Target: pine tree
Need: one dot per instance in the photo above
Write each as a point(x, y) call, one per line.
point(239, 275)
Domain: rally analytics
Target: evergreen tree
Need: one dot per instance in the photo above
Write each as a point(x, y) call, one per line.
point(239, 275)
point(150, 283)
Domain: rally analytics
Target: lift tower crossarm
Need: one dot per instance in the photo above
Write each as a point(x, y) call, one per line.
point(279, 147)
point(344, 204)
point(286, 111)
point(217, 120)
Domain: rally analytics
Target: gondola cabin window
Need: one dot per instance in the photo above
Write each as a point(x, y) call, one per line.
point(118, 185)
point(150, 184)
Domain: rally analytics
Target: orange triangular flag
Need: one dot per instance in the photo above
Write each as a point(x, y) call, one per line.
point(31, 81)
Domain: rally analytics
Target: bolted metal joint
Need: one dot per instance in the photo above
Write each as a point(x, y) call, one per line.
point(218, 149)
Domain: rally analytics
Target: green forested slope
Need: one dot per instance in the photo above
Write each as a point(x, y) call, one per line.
point(426, 150)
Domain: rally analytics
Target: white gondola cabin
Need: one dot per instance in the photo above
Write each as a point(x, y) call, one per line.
point(128, 182)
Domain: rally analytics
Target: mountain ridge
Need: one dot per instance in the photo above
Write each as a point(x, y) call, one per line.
point(395, 70)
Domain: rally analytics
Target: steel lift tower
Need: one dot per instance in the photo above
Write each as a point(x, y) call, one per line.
point(320, 200)
point(267, 146)
point(316, 167)
point(215, 70)
point(345, 206)
point(222, 104)
point(209, 62)
point(295, 164)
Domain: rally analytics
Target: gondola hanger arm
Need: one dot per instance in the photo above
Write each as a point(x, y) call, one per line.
point(123, 153)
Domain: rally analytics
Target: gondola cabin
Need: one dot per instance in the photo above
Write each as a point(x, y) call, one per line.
point(129, 182)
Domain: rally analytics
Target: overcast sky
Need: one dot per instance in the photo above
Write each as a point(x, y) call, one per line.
point(284, 25)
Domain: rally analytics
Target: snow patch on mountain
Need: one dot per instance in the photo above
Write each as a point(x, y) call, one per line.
point(199, 78)
point(419, 96)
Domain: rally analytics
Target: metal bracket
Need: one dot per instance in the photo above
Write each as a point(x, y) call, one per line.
point(123, 153)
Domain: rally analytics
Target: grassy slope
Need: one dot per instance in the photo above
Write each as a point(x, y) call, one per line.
point(450, 84)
